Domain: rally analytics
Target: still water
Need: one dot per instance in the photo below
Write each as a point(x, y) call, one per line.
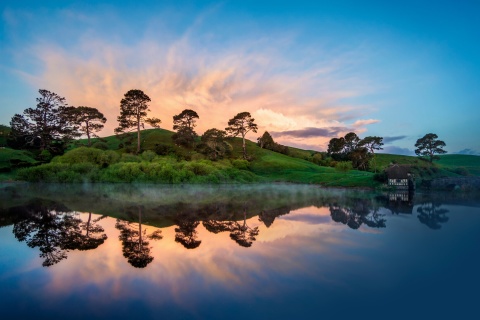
point(237, 252)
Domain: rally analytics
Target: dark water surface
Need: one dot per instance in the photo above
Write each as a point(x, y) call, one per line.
point(268, 251)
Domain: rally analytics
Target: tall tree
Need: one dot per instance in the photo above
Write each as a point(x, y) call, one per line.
point(89, 120)
point(372, 144)
point(336, 148)
point(241, 124)
point(47, 127)
point(133, 113)
point(184, 123)
point(428, 146)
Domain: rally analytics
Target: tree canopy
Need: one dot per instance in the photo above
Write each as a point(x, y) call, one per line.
point(184, 123)
point(46, 127)
point(89, 120)
point(428, 146)
point(133, 113)
point(241, 124)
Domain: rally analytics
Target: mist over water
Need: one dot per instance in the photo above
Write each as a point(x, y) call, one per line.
point(261, 251)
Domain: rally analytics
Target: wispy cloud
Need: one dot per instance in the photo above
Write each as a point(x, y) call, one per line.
point(216, 78)
point(311, 132)
point(388, 140)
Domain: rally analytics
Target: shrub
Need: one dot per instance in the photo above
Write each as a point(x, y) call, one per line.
point(240, 164)
point(81, 155)
point(100, 145)
point(148, 155)
point(128, 157)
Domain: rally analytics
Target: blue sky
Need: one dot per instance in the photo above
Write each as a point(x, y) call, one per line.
point(307, 71)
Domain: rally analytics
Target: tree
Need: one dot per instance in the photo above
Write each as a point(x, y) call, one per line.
point(428, 146)
point(351, 142)
point(89, 120)
point(133, 113)
point(184, 123)
point(46, 127)
point(336, 148)
point(266, 141)
point(372, 144)
point(215, 146)
point(241, 124)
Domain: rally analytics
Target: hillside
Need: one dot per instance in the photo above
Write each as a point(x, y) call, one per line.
point(163, 162)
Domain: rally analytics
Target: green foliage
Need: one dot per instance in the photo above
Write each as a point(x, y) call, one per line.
point(45, 156)
point(429, 146)
point(4, 132)
point(148, 155)
point(100, 145)
point(240, 164)
point(11, 159)
point(344, 166)
point(128, 157)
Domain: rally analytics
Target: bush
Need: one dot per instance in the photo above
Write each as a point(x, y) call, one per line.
point(344, 166)
point(81, 155)
point(128, 157)
point(100, 145)
point(148, 155)
point(240, 164)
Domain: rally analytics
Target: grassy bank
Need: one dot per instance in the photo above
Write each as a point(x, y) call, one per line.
point(111, 160)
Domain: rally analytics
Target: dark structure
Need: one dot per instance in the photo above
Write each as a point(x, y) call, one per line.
point(399, 176)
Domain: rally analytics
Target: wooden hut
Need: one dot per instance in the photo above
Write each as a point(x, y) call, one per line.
point(399, 176)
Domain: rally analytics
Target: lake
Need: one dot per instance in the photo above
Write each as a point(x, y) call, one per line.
point(237, 252)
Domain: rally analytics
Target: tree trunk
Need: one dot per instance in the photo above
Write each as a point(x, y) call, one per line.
point(88, 134)
point(138, 135)
point(244, 148)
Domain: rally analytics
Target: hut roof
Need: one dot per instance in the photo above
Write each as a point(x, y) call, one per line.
point(397, 171)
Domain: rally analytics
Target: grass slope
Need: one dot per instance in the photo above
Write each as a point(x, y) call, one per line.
point(264, 165)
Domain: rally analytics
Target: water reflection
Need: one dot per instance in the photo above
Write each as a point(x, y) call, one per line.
point(186, 233)
point(432, 215)
point(135, 245)
point(54, 230)
point(44, 219)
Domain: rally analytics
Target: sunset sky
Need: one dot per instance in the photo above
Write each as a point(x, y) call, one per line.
point(306, 71)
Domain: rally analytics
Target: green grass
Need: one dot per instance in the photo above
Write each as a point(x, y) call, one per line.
point(116, 165)
point(11, 159)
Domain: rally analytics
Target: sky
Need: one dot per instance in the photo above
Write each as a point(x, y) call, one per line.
point(307, 71)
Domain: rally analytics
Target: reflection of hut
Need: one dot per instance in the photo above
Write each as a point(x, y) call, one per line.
point(400, 202)
point(399, 176)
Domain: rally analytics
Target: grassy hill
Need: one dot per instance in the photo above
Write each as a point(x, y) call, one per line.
point(164, 162)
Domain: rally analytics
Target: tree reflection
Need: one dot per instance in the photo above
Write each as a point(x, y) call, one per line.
point(94, 235)
point(135, 245)
point(54, 230)
point(241, 233)
point(360, 211)
point(186, 233)
point(432, 215)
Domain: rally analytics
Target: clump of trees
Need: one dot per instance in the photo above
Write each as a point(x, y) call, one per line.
point(352, 148)
point(266, 142)
point(47, 127)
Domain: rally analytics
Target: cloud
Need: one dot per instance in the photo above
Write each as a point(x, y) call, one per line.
point(468, 152)
point(307, 99)
point(397, 150)
point(388, 140)
point(311, 132)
